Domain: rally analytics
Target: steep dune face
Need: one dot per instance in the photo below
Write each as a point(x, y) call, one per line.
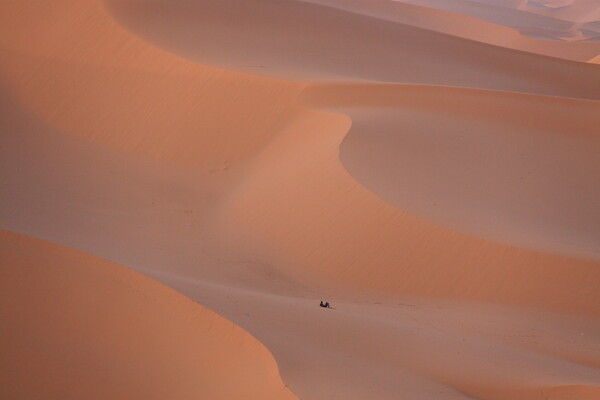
point(317, 42)
point(507, 167)
point(77, 326)
point(145, 213)
point(312, 216)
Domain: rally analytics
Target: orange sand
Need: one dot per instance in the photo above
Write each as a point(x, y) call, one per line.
point(430, 168)
point(77, 326)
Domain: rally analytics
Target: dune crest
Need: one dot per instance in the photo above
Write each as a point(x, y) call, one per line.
point(341, 45)
point(312, 216)
point(465, 26)
point(540, 19)
point(532, 185)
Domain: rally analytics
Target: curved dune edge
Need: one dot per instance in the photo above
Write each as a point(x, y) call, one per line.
point(294, 327)
point(77, 326)
point(507, 167)
point(328, 229)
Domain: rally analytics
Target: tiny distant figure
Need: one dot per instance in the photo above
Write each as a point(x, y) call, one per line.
point(324, 305)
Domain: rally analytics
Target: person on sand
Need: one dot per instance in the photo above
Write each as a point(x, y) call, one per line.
point(324, 305)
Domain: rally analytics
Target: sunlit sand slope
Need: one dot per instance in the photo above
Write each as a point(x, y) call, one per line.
point(77, 326)
point(545, 19)
point(121, 92)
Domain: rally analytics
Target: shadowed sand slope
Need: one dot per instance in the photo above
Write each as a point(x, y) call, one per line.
point(550, 20)
point(512, 168)
point(465, 26)
point(77, 326)
point(300, 40)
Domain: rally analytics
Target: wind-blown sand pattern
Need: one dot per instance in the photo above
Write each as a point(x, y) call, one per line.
point(431, 168)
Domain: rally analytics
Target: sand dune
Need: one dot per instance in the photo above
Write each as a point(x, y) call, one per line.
point(160, 91)
point(430, 173)
point(537, 19)
point(534, 155)
point(464, 26)
point(411, 347)
point(76, 326)
point(342, 46)
point(285, 209)
point(569, 10)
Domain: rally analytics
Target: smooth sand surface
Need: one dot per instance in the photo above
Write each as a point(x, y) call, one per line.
point(465, 26)
point(533, 156)
point(323, 43)
point(542, 19)
point(77, 326)
point(430, 172)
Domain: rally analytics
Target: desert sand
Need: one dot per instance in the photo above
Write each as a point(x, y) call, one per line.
point(182, 181)
point(77, 326)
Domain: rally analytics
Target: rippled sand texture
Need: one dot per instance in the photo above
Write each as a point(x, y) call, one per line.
point(431, 168)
